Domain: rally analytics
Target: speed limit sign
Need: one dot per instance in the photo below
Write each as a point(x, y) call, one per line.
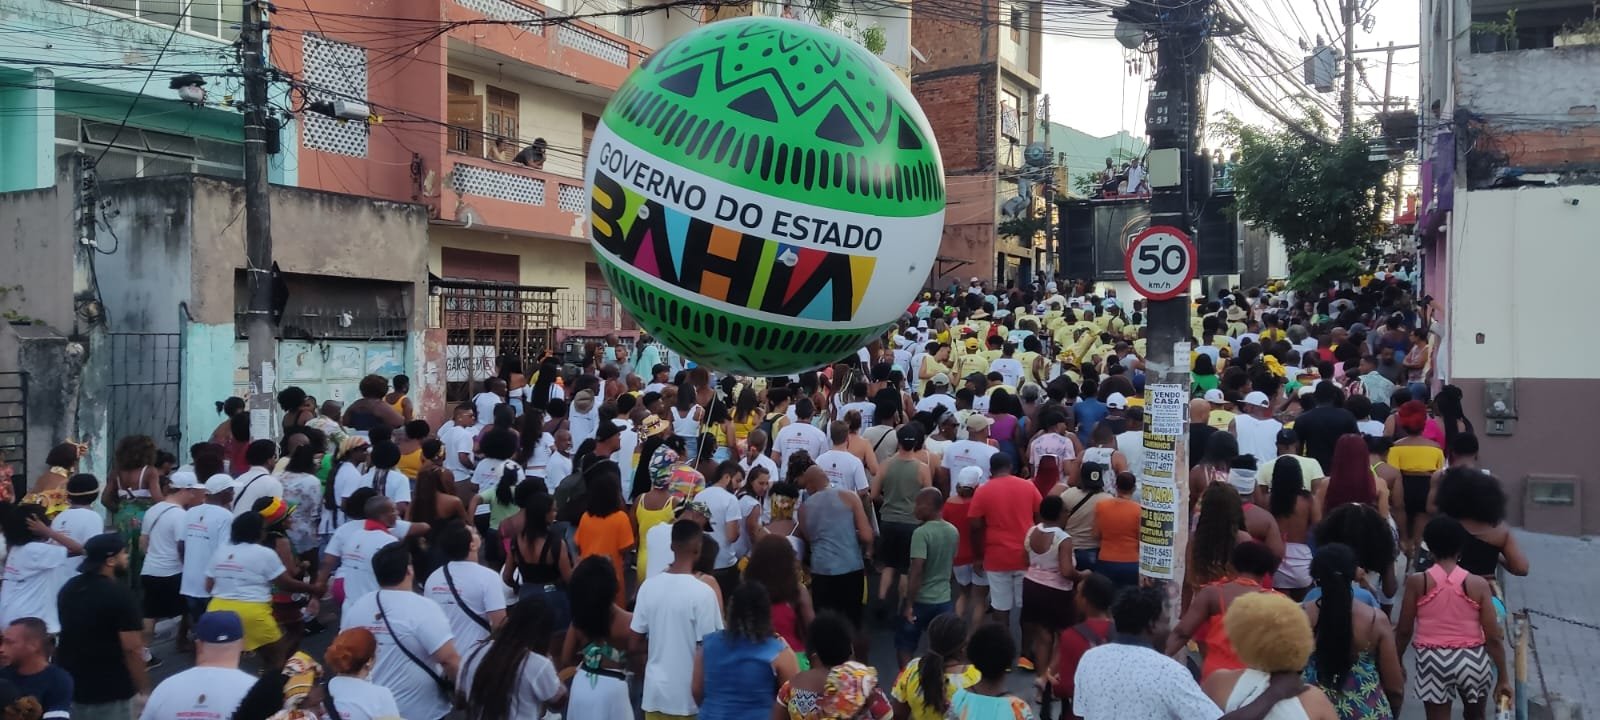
point(1160, 262)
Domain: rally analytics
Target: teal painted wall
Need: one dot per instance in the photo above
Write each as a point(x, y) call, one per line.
point(101, 62)
point(208, 364)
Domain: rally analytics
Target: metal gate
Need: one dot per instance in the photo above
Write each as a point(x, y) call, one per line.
point(146, 388)
point(14, 426)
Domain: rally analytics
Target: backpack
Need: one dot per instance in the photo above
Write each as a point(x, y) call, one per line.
point(767, 423)
point(570, 496)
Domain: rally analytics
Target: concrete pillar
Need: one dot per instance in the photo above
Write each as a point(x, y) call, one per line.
point(28, 133)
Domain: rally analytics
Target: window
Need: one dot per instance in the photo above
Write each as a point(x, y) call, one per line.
point(598, 304)
point(1016, 23)
point(216, 18)
point(465, 117)
point(137, 152)
point(590, 122)
point(500, 122)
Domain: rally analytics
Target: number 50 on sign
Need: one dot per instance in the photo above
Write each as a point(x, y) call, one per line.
point(1160, 262)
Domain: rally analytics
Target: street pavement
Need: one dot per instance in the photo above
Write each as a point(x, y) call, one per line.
point(1559, 593)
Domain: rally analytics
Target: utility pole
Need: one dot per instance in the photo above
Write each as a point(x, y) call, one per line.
point(1347, 8)
point(257, 219)
point(1051, 262)
point(1173, 119)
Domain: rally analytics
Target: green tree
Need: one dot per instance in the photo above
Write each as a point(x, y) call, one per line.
point(1322, 198)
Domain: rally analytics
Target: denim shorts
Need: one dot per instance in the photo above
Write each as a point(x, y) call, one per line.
point(555, 602)
point(908, 634)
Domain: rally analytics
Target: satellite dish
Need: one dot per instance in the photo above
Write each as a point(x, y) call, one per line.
point(1129, 34)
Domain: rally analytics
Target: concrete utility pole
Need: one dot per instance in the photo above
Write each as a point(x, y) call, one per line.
point(1051, 262)
point(1173, 124)
point(1347, 8)
point(257, 219)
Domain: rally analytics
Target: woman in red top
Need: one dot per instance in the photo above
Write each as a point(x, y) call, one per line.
point(971, 589)
point(1252, 563)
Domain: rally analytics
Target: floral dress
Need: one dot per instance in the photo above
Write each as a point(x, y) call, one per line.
point(1361, 695)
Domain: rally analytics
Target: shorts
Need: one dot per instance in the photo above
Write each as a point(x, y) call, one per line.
point(965, 577)
point(114, 710)
point(1086, 558)
point(162, 598)
point(196, 606)
point(1443, 673)
point(558, 607)
point(1005, 589)
point(1415, 488)
point(909, 634)
point(894, 545)
point(842, 594)
point(1048, 607)
point(1121, 574)
point(259, 627)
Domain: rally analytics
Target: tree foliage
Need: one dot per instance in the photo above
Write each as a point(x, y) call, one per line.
point(1322, 199)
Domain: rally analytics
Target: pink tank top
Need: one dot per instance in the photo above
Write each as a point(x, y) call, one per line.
point(1446, 617)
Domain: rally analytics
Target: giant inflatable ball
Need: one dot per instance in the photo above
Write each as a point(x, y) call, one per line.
point(765, 196)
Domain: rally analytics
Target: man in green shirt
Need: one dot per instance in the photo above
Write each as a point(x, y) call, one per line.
point(927, 594)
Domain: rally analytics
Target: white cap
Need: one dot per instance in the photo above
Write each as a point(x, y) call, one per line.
point(1215, 396)
point(1256, 398)
point(1306, 390)
point(1117, 401)
point(184, 480)
point(218, 483)
point(1050, 287)
point(970, 476)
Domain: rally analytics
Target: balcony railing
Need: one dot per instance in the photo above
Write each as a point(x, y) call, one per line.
point(474, 177)
point(531, 18)
point(581, 36)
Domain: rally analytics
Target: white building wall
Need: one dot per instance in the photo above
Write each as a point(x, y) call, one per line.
point(1520, 261)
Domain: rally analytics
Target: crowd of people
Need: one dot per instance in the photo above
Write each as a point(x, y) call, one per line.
point(630, 533)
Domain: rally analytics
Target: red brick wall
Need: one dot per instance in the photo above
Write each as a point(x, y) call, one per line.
point(1554, 149)
point(961, 109)
point(946, 42)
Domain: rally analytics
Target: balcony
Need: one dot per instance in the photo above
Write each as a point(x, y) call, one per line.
point(578, 50)
point(511, 197)
point(590, 312)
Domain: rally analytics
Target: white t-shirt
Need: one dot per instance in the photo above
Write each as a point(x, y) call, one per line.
point(205, 530)
point(1131, 445)
point(1117, 681)
point(866, 409)
point(487, 473)
point(358, 699)
point(486, 402)
point(420, 624)
point(658, 549)
point(555, 470)
point(676, 611)
point(844, 470)
point(199, 693)
point(799, 436)
point(355, 550)
point(536, 685)
point(627, 446)
point(968, 453)
point(254, 483)
point(396, 486)
point(479, 587)
point(761, 461)
point(457, 440)
point(930, 402)
point(81, 523)
point(1371, 428)
point(724, 509)
point(163, 525)
point(583, 425)
point(1009, 368)
point(244, 572)
point(33, 577)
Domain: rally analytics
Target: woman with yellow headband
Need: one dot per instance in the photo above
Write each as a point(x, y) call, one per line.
point(242, 577)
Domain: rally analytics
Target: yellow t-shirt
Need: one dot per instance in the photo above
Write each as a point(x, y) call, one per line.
point(969, 364)
point(1220, 419)
point(908, 688)
point(1416, 459)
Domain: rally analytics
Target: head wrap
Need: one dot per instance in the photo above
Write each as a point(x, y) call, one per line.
point(275, 510)
point(847, 690)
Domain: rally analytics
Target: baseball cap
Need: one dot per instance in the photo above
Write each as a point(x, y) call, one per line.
point(1256, 398)
point(1117, 401)
point(100, 548)
point(975, 279)
point(972, 343)
point(940, 380)
point(1288, 436)
point(217, 627)
point(218, 483)
point(970, 476)
point(1214, 396)
point(977, 422)
point(184, 480)
point(908, 433)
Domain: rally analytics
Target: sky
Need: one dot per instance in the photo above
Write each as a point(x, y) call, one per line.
point(1108, 99)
